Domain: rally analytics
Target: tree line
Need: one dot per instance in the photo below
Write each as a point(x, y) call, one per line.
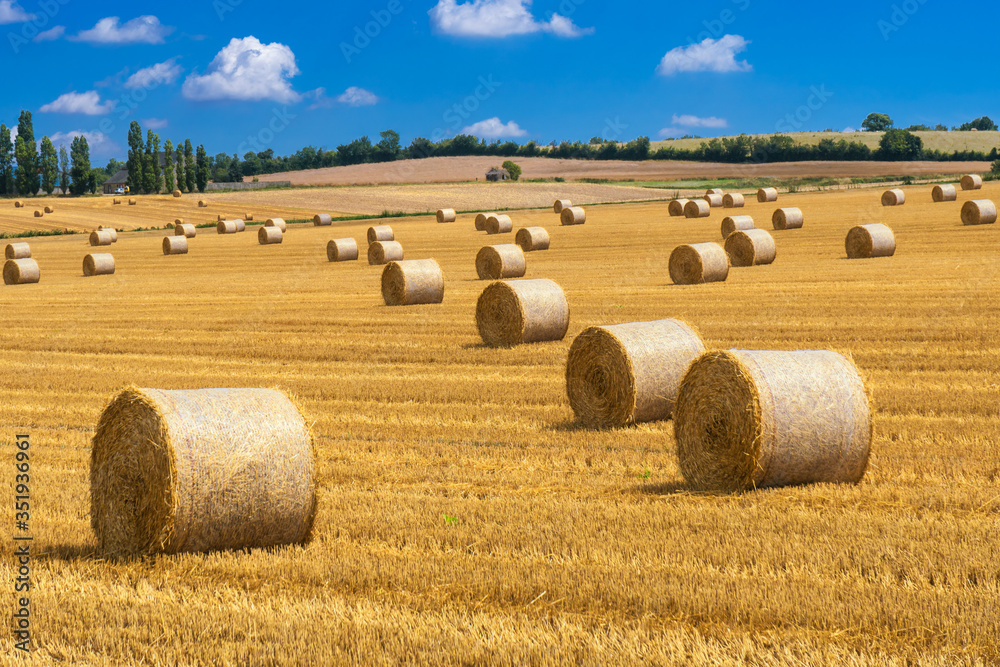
point(152, 169)
point(27, 166)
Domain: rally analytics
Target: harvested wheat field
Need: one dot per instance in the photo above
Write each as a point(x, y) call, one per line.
point(464, 516)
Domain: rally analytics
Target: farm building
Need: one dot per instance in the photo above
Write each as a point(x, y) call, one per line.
point(119, 180)
point(496, 174)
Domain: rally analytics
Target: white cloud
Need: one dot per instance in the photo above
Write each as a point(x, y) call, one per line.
point(494, 129)
point(160, 73)
point(687, 120)
point(50, 35)
point(246, 70)
point(711, 55)
point(98, 142)
point(358, 97)
point(155, 123)
point(11, 12)
point(848, 130)
point(320, 100)
point(88, 103)
point(142, 30)
point(498, 18)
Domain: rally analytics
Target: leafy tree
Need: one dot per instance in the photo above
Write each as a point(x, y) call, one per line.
point(877, 122)
point(940, 128)
point(420, 148)
point(191, 168)
point(179, 166)
point(49, 166)
point(114, 166)
point(235, 174)
point(168, 166)
point(898, 145)
point(513, 168)
point(358, 151)
point(251, 164)
point(136, 160)
point(6, 162)
point(983, 124)
point(388, 149)
point(152, 177)
point(26, 156)
point(637, 149)
point(918, 128)
point(79, 157)
point(201, 177)
point(63, 170)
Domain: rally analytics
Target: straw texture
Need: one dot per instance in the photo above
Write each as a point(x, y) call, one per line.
point(979, 212)
point(249, 217)
point(131, 202)
point(481, 221)
point(972, 182)
point(499, 224)
point(733, 200)
point(38, 214)
point(322, 220)
point(277, 222)
point(200, 470)
point(574, 215)
point(766, 195)
point(894, 197)
point(865, 241)
point(522, 311)
point(561, 204)
point(698, 263)
point(49, 209)
point(18, 204)
point(269, 236)
point(17, 251)
point(177, 193)
point(240, 225)
point(676, 207)
point(175, 245)
point(746, 420)
point(186, 230)
point(178, 221)
point(787, 218)
point(714, 201)
point(446, 215)
point(380, 233)
point(226, 227)
point(116, 201)
point(101, 237)
point(629, 373)
point(736, 223)
point(750, 247)
point(110, 230)
point(532, 238)
point(496, 262)
point(714, 191)
point(413, 282)
point(202, 203)
point(21, 272)
point(383, 252)
point(98, 264)
point(697, 208)
point(342, 250)
point(943, 193)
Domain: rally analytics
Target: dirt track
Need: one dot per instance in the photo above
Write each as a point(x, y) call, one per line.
point(452, 169)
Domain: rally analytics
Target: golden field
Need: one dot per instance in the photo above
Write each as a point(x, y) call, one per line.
point(464, 517)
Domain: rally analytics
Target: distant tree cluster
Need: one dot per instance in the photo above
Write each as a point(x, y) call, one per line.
point(152, 170)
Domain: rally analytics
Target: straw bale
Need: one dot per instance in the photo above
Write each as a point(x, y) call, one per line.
point(322, 220)
point(269, 236)
point(676, 207)
point(698, 263)
point(187, 231)
point(894, 197)
point(750, 247)
point(380, 233)
point(499, 224)
point(277, 222)
point(697, 208)
point(979, 212)
point(101, 237)
point(175, 245)
point(766, 195)
point(497, 262)
point(98, 264)
point(532, 238)
point(20, 271)
point(342, 250)
point(561, 204)
point(736, 223)
point(413, 282)
point(446, 215)
point(733, 200)
point(943, 193)
point(865, 241)
point(787, 218)
point(383, 252)
point(972, 182)
point(522, 311)
point(17, 251)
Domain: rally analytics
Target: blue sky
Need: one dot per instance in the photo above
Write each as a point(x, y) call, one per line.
point(242, 75)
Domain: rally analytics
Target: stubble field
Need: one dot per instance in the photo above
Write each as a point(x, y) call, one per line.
point(464, 517)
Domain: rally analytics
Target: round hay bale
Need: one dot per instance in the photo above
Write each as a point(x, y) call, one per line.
point(894, 197)
point(499, 224)
point(972, 182)
point(383, 252)
point(50, 209)
point(177, 193)
point(574, 215)
point(733, 200)
point(269, 236)
point(178, 221)
point(101, 237)
point(481, 221)
point(187, 231)
point(749, 420)
point(221, 218)
point(532, 238)
point(202, 203)
point(497, 262)
point(131, 202)
point(750, 247)
point(736, 223)
point(201, 470)
point(248, 217)
point(18, 204)
point(116, 201)
point(322, 220)
point(110, 230)
point(766, 195)
point(175, 245)
point(979, 212)
point(277, 222)
point(342, 250)
point(380, 233)
point(676, 207)
point(561, 204)
point(629, 373)
point(17, 251)
point(20, 271)
point(697, 208)
point(714, 191)
point(513, 312)
point(226, 227)
point(240, 225)
point(943, 193)
point(412, 283)
point(38, 214)
point(714, 201)
point(99, 264)
point(698, 263)
point(787, 218)
point(865, 241)
point(446, 215)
